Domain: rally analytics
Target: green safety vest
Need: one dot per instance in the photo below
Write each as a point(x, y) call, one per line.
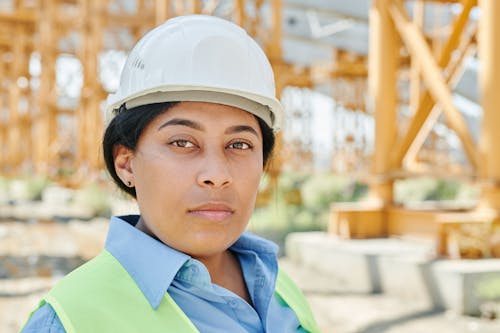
point(100, 296)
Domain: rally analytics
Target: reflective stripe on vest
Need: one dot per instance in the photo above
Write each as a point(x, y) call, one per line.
point(100, 296)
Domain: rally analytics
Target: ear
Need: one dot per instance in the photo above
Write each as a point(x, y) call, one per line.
point(123, 159)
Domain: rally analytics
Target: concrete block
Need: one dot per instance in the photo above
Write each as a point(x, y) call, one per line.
point(19, 191)
point(410, 277)
point(406, 269)
point(465, 285)
point(322, 253)
point(353, 265)
point(458, 285)
point(55, 195)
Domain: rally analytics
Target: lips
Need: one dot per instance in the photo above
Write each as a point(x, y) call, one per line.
point(212, 211)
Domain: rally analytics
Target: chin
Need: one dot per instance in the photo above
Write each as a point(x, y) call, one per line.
point(209, 246)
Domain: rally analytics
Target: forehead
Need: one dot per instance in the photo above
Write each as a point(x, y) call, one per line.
point(205, 112)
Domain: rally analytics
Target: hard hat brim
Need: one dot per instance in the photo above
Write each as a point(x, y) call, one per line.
point(265, 108)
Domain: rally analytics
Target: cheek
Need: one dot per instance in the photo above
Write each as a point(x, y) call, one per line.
point(157, 175)
point(250, 178)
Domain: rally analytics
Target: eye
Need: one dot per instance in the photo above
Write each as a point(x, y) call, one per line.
point(182, 144)
point(240, 145)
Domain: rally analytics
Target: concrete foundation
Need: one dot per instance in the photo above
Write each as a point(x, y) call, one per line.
point(407, 269)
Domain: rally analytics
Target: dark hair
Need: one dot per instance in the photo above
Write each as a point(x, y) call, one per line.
point(128, 124)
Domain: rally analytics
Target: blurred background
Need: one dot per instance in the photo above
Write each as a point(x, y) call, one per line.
point(384, 191)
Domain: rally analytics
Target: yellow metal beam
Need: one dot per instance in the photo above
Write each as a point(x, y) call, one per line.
point(3, 123)
point(47, 122)
point(51, 20)
point(9, 42)
point(14, 149)
point(489, 79)
point(89, 118)
point(415, 89)
point(294, 76)
point(432, 76)
point(163, 11)
point(239, 12)
point(196, 7)
point(24, 16)
point(132, 21)
point(274, 47)
point(453, 73)
point(417, 132)
point(383, 63)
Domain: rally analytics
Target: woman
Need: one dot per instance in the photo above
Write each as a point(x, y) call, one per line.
point(191, 132)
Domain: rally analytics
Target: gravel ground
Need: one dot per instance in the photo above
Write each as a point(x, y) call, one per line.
point(378, 313)
point(17, 303)
point(382, 314)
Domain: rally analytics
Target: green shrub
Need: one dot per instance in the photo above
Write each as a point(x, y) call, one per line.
point(27, 188)
point(301, 202)
point(430, 189)
point(95, 198)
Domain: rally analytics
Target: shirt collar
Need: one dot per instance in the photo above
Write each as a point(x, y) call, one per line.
point(152, 264)
point(254, 243)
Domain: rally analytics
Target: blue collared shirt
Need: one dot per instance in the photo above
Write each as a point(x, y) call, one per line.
point(157, 268)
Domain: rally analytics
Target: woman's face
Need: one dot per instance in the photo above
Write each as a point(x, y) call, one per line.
point(196, 170)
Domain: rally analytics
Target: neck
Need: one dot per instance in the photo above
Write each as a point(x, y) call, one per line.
point(218, 265)
point(225, 271)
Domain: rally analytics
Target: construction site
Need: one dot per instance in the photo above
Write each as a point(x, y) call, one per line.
point(384, 190)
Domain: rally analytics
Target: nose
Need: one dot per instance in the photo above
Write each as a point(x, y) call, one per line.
point(214, 171)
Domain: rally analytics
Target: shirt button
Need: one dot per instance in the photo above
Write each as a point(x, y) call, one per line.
point(233, 303)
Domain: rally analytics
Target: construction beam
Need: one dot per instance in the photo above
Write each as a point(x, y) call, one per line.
point(291, 75)
point(135, 21)
point(47, 122)
point(432, 77)
point(51, 20)
point(489, 80)
point(89, 120)
point(24, 17)
point(8, 41)
point(239, 12)
point(415, 88)
point(416, 130)
point(163, 11)
point(383, 63)
point(453, 71)
point(180, 8)
point(274, 47)
point(326, 73)
point(14, 147)
point(256, 24)
point(196, 6)
point(3, 123)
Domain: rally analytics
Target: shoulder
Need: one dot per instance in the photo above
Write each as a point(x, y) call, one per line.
point(100, 279)
point(44, 320)
point(94, 273)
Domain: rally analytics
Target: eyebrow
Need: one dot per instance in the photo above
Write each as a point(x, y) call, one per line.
point(199, 127)
point(241, 128)
point(182, 122)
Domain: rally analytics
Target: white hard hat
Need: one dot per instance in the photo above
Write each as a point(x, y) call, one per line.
point(199, 58)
